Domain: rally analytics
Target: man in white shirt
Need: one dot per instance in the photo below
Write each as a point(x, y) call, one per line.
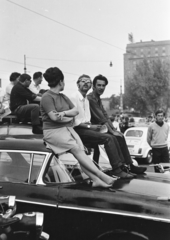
point(90, 134)
point(35, 85)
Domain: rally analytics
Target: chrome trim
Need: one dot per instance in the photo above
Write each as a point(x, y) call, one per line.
point(44, 236)
point(118, 213)
point(37, 203)
point(39, 219)
point(24, 151)
point(11, 201)
point(101, 211)
point(30, 168)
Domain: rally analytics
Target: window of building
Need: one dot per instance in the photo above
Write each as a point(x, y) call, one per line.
point(141, 52)
point(149, 53)
point(156, 52)
point(163, 51)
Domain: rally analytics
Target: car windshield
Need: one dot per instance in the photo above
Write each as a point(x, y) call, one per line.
point(57, 173)
point(134, 133)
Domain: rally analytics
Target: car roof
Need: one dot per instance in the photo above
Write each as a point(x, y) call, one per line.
point(144, 128)
point(20, 143)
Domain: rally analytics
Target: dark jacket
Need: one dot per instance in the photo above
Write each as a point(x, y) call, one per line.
point(20, 95)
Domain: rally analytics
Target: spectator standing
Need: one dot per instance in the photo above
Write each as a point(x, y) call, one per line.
point(115, 122)
point(157, 138)
point(124, 124)
point(14, 78)
point(99, 116)
point(20, 95)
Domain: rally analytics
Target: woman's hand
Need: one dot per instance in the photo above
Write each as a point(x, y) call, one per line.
point(59, 116)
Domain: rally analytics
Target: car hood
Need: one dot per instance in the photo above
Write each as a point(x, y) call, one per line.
point(147, 196)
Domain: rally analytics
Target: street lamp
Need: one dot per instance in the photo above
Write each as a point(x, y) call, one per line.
point(121, 95)
point(25, 68)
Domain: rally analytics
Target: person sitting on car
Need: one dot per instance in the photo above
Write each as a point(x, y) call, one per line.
point(100, 116)
point(14, 78)
point(35, 86)
point(20, 95)
point(57, 116)
point(92, 134)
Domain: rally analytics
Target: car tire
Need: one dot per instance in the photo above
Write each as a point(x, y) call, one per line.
point(148, 158)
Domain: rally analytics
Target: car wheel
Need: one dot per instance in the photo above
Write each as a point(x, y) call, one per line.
point(148, 158)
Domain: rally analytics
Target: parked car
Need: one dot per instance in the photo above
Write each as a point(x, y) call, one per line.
point(131, 209)
point(136, 139)
point(137, 121)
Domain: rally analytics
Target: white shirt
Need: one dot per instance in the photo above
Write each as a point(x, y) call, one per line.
point(82, 105)
point(116, 125)
point(34, 88)
point(8, 91)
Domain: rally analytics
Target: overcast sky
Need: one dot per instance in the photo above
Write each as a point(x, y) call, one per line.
point(78, 36)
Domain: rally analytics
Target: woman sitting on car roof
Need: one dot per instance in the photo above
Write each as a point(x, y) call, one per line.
point(57, 115)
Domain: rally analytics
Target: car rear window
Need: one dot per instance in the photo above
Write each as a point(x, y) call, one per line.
point(134, 133)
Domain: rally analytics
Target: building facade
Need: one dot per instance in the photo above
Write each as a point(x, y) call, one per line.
point(136, 52)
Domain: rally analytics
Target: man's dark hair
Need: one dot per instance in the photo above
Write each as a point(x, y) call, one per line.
point(37, 75)
point(53, 76)
point(82, 76)
point(24, 77)
point(14, 76)
point(159, 111)
point(100, 77)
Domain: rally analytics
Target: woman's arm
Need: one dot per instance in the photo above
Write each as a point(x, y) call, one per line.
point(65, 116)
point(71, 112)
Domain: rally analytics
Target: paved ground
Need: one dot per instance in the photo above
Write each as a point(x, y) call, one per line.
point(104, 162)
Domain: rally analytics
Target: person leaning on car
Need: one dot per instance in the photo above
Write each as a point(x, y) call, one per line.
point(20, 95)
point(157, 137)
point(99, 116)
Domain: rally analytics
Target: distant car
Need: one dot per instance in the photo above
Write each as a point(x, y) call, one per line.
point(130, 209)
point(136, 139)
point(137, 121)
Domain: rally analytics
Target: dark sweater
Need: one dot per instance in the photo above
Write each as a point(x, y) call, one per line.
point(19, 96)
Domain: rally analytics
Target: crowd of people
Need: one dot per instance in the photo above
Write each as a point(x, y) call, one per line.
point(71, 122)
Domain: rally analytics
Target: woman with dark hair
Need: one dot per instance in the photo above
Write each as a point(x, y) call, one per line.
point(57, 115)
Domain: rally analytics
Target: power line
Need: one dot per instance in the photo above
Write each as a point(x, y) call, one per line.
point(65, 60)
point(33, 65)
point(64, 25)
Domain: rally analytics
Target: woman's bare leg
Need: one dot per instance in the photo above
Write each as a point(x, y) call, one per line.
point(97, 182)
point(90, 169)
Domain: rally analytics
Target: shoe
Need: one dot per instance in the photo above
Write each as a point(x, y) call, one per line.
point(121, 174)
point(126, 168)
point(136, 169)
point(37, 130)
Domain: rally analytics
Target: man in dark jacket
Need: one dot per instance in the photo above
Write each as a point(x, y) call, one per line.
point(99, 116)
point(20, 106)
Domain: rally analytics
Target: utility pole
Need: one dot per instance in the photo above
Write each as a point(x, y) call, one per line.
point(121, 94)
point(25, 68)
point(121, 98)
